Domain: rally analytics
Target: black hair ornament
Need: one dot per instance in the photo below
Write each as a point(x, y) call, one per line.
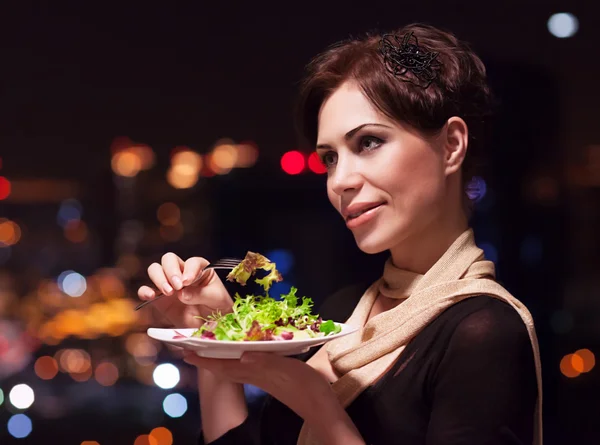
point(404, 55)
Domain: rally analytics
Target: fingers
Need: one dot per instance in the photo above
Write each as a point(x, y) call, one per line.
point(192, 268)
point(158, 277)
point(172, 267)
point(146, 293)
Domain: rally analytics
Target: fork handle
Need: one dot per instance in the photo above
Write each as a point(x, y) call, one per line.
point(160, 295)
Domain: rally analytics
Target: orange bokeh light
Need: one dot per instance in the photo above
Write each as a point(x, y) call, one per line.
point(46, 367)
point(145, 439)
point(126, 163)
point(181, 179)
point(588, 360)
point(162, 436)
point(10, 232)
point(82, 376)
point(186, 161)
point(107, 374)
point(225, 156)
point(90, 442)
point(247, 154)
point(566, 366)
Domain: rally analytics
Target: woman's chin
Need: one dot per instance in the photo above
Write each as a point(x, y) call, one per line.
point(370, 245)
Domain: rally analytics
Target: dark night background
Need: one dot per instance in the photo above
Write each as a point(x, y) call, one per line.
point(76, 75)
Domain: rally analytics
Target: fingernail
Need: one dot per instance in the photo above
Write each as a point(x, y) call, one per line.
point(176, 282)
point(167, 288)
point(187, 280)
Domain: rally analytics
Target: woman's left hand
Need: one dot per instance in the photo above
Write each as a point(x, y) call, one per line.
point(291, 381)
point(295, 384)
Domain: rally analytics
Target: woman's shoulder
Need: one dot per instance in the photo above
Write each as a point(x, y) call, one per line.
point(485, 320)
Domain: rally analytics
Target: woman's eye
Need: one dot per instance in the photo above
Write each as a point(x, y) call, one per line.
point(328, 159)
point(369, 143)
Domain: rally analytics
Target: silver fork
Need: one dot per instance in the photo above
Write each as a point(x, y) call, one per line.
point(223, 263)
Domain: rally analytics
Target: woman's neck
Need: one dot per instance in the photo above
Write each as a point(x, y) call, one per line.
point(419, 252)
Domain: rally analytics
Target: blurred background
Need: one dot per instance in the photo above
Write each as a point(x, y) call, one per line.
point(128, 131)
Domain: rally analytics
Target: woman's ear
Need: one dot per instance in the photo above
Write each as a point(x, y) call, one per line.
point(455, 143)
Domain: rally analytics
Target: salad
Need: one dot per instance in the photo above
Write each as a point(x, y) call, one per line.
point(260, 317)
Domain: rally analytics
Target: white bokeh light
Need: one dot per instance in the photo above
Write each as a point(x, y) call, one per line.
point(72, 283)
point(21, 396)
point(563, 25)
point(175, 405)
point(166, 376)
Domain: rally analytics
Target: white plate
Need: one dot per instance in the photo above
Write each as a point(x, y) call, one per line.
point(235, 349)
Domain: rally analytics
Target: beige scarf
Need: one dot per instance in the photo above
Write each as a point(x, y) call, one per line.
point(363, 357)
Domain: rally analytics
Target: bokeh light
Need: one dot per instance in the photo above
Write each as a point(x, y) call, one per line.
point(186, 161)
point(20, 426)
point(72, 283)
point(69, 210)
point(106, 374)
point(76, 231)
point(180, 180)
point(563, 25)
point(175, 405)
point(1, 397)
point(5, 188)
point(283, 258)
point(126, 163)
point(588, 359)
point(315, 164)
point(145, 439)
point(145, 154)
point(476, 189)
point(46, 367)
point(224, 157)
point(21, 396)
point(162, 435)
point(292, 162)
point(73, 360)
point(141, 347)
point(10, 232)
point(247, 154)
point(566, 366)
point(90, 442)
point(168, 214)
point(166, 376)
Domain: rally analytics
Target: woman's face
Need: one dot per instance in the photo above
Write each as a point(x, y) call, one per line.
point(387, 181)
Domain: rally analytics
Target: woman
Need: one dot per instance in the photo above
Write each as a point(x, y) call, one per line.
point(445, 354)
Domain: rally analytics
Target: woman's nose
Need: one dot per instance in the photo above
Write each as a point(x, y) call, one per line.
point(346, 176)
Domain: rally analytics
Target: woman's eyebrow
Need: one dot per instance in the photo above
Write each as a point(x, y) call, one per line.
point(352, 132)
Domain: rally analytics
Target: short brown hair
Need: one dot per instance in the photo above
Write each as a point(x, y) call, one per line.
point(460, 89)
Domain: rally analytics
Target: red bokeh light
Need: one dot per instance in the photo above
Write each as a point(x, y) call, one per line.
point(292, 162)
point(4, 188)
point(315, 164)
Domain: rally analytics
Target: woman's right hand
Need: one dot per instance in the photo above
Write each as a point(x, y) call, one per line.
point(185, 301)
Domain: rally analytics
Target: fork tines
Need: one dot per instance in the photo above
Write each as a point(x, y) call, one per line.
point(225, 263)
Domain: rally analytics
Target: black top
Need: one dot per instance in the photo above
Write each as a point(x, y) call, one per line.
point(467, 378)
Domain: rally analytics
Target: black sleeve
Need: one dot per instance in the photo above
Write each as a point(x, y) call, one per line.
point(243, 433)
point(484, 390)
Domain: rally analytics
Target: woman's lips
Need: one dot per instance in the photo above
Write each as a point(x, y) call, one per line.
point(364, 217)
